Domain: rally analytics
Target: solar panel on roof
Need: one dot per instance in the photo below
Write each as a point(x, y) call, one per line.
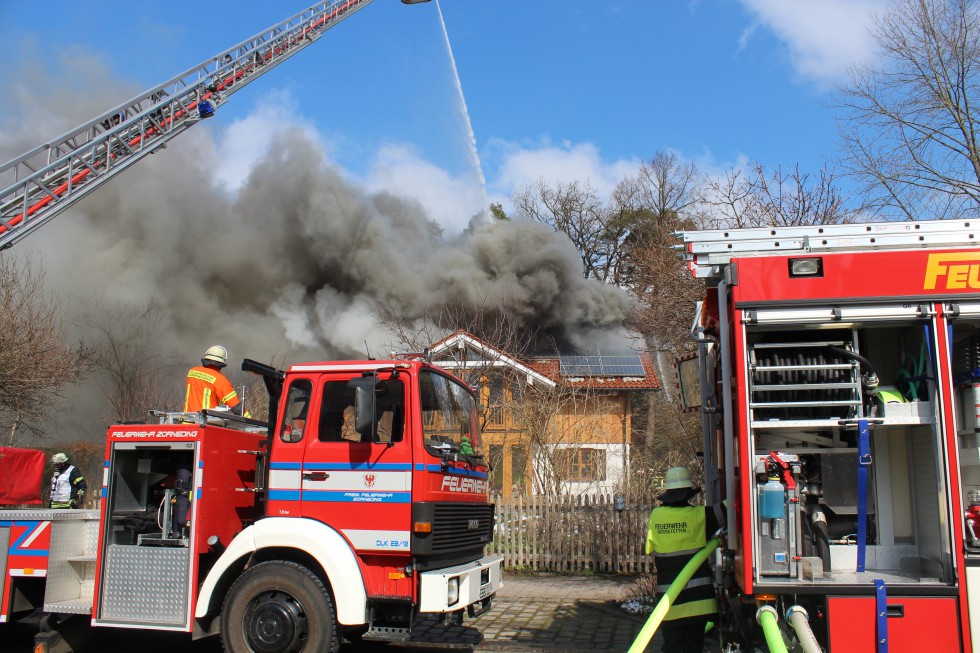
point(601, 366)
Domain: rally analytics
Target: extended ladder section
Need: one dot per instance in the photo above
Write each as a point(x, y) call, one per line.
point(707, 252)
point(47, 180)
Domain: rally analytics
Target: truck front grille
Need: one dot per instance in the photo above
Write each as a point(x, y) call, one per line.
point(459, 530)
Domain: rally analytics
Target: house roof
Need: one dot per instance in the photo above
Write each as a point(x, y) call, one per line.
point(547, 368)
point(497, 358)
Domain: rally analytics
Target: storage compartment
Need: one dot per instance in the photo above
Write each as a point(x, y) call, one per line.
point(149, 494)
point(914, 624)
point(843, 418)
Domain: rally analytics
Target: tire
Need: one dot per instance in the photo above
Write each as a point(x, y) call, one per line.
point(278, 607)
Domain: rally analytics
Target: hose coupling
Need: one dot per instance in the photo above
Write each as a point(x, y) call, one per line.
point(766, 609)
point(797, 609)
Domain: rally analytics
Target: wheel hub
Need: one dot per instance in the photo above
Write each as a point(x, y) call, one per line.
point(275, 623)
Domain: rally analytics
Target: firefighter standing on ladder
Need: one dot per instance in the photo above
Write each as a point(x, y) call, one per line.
point(675, 532)
point(207, 387)
point(67, 484)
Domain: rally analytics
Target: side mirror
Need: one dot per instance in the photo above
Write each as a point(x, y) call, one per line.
point(365, 406)
point(689, 382)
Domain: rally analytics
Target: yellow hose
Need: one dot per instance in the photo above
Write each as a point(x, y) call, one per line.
point(657, 616)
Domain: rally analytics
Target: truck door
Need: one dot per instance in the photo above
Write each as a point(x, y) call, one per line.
point(285, 472)
point(359, 486)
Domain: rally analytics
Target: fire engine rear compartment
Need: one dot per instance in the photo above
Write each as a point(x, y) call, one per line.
point(175, 495)
point(808, 393)
point(147, 568)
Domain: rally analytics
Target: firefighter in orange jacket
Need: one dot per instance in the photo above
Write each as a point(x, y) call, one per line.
point(207, 387)
point(676, 531)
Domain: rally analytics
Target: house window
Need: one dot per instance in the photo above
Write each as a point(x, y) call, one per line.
point(495, 401)
point(581, 464)
point(497, 467)
point(518, 468)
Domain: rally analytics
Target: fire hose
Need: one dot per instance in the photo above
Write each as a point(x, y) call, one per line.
point(768, 618)
point(660, 611)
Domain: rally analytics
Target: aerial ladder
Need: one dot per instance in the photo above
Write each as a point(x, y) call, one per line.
point(706, 252)
point(43, 182)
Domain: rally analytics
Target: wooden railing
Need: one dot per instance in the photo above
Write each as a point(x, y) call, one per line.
point(572, 534)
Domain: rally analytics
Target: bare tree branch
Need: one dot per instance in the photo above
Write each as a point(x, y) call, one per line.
point(135, 372)
point(909, 123)
point(35, 364)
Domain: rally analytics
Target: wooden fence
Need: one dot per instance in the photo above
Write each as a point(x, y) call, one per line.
point(572, 534)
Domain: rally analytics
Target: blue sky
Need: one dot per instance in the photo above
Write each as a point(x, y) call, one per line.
point(556, 89)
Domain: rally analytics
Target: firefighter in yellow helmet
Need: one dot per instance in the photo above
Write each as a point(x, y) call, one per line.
point(207, 387)
point(676, 531)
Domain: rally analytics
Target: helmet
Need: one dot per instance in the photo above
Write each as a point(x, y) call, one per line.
point(217, 354)
point(59, 459)
point(677, 478)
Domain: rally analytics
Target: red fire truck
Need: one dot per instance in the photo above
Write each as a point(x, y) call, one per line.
point(361, 506)
point(838, 377)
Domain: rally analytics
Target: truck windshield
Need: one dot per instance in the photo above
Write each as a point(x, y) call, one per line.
point(449, 417)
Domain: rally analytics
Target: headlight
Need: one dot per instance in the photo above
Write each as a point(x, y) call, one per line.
point(452, 595)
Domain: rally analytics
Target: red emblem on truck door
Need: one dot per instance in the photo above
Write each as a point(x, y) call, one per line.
point(369, 480)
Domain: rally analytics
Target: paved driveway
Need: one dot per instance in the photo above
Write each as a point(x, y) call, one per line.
point(547, 613)
point(532, 613)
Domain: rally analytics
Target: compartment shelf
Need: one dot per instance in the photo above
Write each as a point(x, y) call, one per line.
point(903, 420)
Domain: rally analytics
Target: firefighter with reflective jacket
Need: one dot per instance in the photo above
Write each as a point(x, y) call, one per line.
point(676, 531)
point(207, 387)
point(67, 484)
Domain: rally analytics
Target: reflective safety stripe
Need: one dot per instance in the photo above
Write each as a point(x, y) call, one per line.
point(228, 397)
point(695, 582)
point(674, 554)
point(202, 376)
point(704, 607)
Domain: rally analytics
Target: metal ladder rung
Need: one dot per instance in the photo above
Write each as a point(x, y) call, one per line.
point(802, 404)
point(797, 368)
point(803, 386)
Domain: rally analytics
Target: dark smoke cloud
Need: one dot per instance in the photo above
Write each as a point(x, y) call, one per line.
point(305, 253)
point(293, 264)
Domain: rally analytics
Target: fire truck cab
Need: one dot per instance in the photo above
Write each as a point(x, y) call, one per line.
point(838, 375)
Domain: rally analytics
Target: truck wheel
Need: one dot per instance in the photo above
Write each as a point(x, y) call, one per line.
point(278, 607)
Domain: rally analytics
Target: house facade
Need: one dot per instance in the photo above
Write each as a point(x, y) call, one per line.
point(554, 422)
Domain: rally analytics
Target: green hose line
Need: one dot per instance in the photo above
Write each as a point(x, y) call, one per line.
point(768, 619)
point(650, 627)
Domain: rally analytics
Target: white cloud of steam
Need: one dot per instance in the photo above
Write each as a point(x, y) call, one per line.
point(450, 201)
point(523, 165)
point(824, 38)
